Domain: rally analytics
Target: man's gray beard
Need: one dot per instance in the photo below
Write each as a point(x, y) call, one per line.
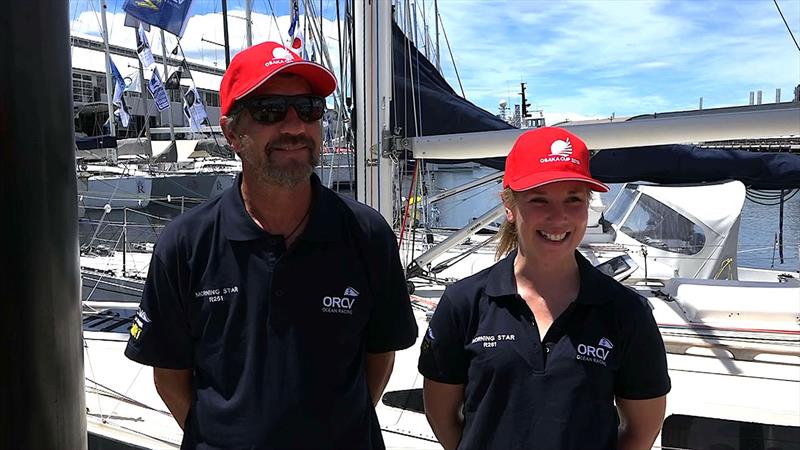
point(290, 174)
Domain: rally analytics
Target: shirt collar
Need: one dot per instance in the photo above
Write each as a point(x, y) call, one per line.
point(501, 281)
point(323, 222)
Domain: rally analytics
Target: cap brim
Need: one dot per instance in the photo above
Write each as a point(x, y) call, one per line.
point(322, 80)
point(542, 178)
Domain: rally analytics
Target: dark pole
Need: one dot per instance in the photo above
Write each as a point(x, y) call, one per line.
point(225, 33)
point(41, 383)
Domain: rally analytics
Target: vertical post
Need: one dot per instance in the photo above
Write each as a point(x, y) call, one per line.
point(112, 126)
point(436, 21)
point(143, 103)
point(777, 95)
point(701, 103)
point(124, 240)
point(42, 383)
point(248, 12)
point(169, 109)
point(225, 33)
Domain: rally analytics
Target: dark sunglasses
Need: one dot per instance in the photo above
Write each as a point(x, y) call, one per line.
point(270, 109)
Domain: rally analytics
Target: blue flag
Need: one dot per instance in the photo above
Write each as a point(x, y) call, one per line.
point(156, 88)
point(119, 89)
point(169, 15)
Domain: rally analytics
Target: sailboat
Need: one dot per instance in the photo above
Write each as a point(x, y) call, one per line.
point(719, 340)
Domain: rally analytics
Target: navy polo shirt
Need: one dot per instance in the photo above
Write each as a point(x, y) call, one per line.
point(520, 392)
point(276, 337)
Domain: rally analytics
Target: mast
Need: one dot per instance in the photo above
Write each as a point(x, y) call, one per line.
point(112, 127)
point(436, 22)
point(143, 102)
point(225, 33)
point(373, 95)
point(42, 387)
point(248, 11)
point(169, 107)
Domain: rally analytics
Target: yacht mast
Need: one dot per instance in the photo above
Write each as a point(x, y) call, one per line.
point(112, 127)
point(248, 11)
point(373, 95)
point(166, 75)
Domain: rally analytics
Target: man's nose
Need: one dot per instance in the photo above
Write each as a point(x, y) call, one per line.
point(292, 124)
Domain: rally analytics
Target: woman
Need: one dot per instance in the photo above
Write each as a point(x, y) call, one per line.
point(535, 351)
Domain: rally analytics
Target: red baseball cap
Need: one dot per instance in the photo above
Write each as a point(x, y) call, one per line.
point(547, 155)
point(253, 66)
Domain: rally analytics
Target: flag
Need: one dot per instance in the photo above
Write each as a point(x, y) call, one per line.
point(169, 15)
point(174, 80)
point(132, 83)
point(156, 88)
point(295, 40)
point(143, 48)
point(133, 22)
point(194, 110)
point(119, 89)
point(185, 69)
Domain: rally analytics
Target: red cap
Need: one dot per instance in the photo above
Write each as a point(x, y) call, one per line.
point(546, 155)
point(255, 65)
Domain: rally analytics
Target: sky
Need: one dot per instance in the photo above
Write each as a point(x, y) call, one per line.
point(583, 59)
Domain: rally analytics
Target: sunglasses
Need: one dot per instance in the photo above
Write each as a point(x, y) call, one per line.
point(269, 109)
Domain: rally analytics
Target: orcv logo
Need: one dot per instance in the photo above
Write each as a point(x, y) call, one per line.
point(340, 305)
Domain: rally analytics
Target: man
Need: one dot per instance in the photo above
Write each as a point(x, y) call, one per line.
point(271, 314)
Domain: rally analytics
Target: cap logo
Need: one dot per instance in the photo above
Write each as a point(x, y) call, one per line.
point(560, 147)
point(280, 56)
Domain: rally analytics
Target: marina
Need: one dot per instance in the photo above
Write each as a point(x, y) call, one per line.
point(702, 220)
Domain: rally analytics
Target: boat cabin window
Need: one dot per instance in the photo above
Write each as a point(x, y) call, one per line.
point(621, 204)
point(657, 225)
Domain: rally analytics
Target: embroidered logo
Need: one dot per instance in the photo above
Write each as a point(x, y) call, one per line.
point(559, 147)
point(595, 354)
point(139, 321)
point(340, 305)
point(604, 342)
point(280, 56)
point(215, 295)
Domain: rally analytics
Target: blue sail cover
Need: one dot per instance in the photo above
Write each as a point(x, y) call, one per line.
point(679, 164)
point(420, 89)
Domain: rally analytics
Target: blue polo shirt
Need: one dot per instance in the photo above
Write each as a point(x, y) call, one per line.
point(521, 392)
point(276, 337)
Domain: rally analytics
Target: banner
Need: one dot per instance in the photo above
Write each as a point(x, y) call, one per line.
point(169, 15)
point(143, 48)
point(156, 88)
point(119, 89)
point(194, 110)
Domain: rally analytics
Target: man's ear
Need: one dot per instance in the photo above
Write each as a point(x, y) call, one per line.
point(231, 136)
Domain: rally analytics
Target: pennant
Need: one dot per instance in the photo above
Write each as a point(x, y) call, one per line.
point(169, 15)
point(295, 40)
point(132, 83)
point(133, 22)
point(174, 80)
point(295, 18)
point(185, 69)
point(143, 48)
point(119, 89)
point(194, 110)
point(156, 88)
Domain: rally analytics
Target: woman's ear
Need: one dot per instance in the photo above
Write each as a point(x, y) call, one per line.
point(509, 215)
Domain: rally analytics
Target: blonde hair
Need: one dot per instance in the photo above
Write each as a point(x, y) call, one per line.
point(507, 234)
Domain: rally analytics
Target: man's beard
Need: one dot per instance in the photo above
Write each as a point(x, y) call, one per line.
point(288, 173)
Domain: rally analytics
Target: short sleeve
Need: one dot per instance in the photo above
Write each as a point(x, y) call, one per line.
point(159, 335)
point(443, 357)
point(643, 374)
point(391, 324)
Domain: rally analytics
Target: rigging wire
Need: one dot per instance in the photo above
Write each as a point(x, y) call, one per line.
point(788, 28)
point(450, 50)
